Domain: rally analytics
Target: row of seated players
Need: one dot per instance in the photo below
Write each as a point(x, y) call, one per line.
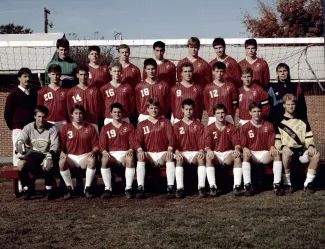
point(157, 142)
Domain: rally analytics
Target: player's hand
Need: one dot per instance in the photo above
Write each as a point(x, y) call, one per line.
point(247, 152)
point(63, 155)
point(91, 154)
point(311, 151)
point(179, 156)
point(236, 153)
point(20, 147)
point(274, 152)
point(286, 151)
point(106, 154)
point(200, 155)
point(210, 154)
point(169, 155)
point(141, 155)
point(47, 163)
point(129, 153)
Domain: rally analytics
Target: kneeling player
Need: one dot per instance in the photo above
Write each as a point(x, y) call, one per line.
point(115, 145)
point(257, 140)
point(79, 145)
point(155, 142)
point(295, 138)
point(189, 133)
point(222, 145)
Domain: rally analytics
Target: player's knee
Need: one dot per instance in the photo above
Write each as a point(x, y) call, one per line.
point(315, 158)
point(246, 158)
point(129, 161)
point(201, 161)
point(237, 161)
point(91, 162)
point(104, 162)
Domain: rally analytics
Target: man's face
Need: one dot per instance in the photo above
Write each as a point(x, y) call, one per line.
point(187, 73)
point(193, 50)
point(93, 57)
point(124, 54)
point(247, 79)
point(188, 111)
point(40, 119)
point(54, 77)
point(159, 53)
point(24, 80)
point(78, 116)
point(151, 71)
point(256, 114)
point(220, 50)
point(116, 73)
point(83, 77)
point(220, 115)
point(250, 51)
point(153, 111)
point(117, 114)
point(218, 74)
point(63, 52)
point(290, 106)
point(282, 73)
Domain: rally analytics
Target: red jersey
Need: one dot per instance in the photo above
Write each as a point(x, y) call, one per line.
point(78, 141)
point(189, 137)
point(179, 92)
point(131, 75)
point(246, 97)
point(98, 76)
point(116, 139)
point(89, 98)
point(155, 137)
point(257, 138)
point(123, 94)
point(166, 71)
point(55, 101)
point(261, 72)
point(225, 94)
point(233, 71)
point(145, 91)
point(221, 141)
point(201, 74)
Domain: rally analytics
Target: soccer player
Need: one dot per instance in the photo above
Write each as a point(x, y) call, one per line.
point(117, 92)
point(220, 91)
point(42, 141)
point(115, 144)
point(98, 74)
point(222, 145)
point(19, 107)
point(166, 70)
point(189, 133)
point(186, 89)
point(201, 69)
point(249, 93)
point(233, 71)
point(68, 65)
point(79, 146)
point(261, 75)
point(257, 140)
point(155, 143)
point(54, 97)
point(295, 139)
point(152, 87)
point(85, 95)
point(284, 86)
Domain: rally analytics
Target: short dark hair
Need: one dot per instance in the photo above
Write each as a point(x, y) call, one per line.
point(78, 107)
point(150, 62)
point(187, 64)
point(188, 102)
point(193, 41)
point(54, 68)
point(94, 48)
point(82, 68)
point(159, 44)
point(219, 41)
point(42, 109)
point(24, 70)
point(153, 102)
point(250, 42)
point(255, 104)
point(246, 70)
point(219, 65)
point(123, 46)
point(117, 105)
point(64, 43)
point(284, 65)
point(219, 107)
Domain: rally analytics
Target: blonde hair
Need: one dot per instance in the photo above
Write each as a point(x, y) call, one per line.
point(289, 96)
point(194, 41)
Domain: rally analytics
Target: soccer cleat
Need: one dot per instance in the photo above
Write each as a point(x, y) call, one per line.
point(309, 188)
point(170, 192)
point(288, 189)
point(128, 193)
point(140, 192)
point(88, 193)
point(237, 191)
point(202, 192)
point(180, 193)
point(26, 194)
point(69, 193)
point(214, 192)
point(49, 194)
point(107, 194)
point(248, 190)
point(277, 189)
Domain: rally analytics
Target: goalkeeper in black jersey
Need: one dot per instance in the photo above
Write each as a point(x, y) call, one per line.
point(295, 139)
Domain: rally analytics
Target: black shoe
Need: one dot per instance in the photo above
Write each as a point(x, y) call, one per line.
point(50, 194)
point(248, 190)
point(69, 193)
point(288, 189)
point(309, 188)
point(26, 194)
point(128, 193)
point(214, 192)
point(277, 189)
point(202, 192)
point(88, 193)
point(107, 194)
point(140, 192)
point(170, 192)
point(180, 193)
point(237, 191)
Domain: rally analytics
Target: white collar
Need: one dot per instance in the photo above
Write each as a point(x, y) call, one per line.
point(24, 90)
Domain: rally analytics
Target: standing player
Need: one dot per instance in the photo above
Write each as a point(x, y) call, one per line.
point(257, 140)
point(155, 142)
point(222, 145)
point(166, 70)
point(233, 72)
point(261, 75)
point(117, 92)
point(115, 144)
point(54, 97)
point(152, 87)
point(295, 139)
point(79, 146)
point(98, 74)
point(220, 91)
point(186, 89)
point(85, 95)
point(201, 69)
point(189, 133)
point(249, 93)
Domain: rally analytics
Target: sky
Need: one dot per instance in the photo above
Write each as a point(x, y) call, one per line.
point(136, 19)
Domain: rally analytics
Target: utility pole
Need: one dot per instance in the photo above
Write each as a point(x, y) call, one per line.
point(46, 21)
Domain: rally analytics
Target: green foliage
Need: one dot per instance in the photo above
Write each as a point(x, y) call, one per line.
point(11, 28)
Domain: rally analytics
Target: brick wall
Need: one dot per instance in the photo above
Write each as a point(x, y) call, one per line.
point(5, 133)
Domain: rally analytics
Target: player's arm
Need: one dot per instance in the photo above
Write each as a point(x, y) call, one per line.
point(266, 75)
point(208, 74)
point(271, 142)
point(132, 104)
point(172, 99)
point(9, 110)
point(179, 71)
point(208, 143)
point(244, 141)
point(138, 75)
point(235, 140)
point(278, 141)
point(264, 99)
point(301, 108)
point(167, 97)
point(234, 100)
point(206, 97)
point(171, 136)
point(137, 98)
point(103, 143)
point(24, 136)
point(94, 142)
point(54, 138)
point(173, 74)
point(138, 141)
point(200, 140)
point(200, 103)
point(237, 75)
point(40, 98)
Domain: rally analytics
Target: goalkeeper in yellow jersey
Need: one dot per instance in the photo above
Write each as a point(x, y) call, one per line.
point(295, 139)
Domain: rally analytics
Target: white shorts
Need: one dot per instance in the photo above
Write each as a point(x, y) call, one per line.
point(228, 118)
point(222, 156)
point(58, 124)
point(15, 136)
point(118, 155)
point(77, 158)
point(242, 122)
point(189, 155)
point(156, 156)
point(174, 120)
point(142, 117)
point(110, 120)
point(258, 156)
point(304, 158)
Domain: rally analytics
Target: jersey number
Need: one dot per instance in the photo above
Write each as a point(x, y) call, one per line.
point(145, 92)
point(251, 134)
point(76, 98)
point(215, 135)
point(214, 93)
point(146, 130)
point(178, 93)
point(240, 97)
point(70, 135)
point(48, 96)
point(181, 130)
point(109, 92)
point(111, 133)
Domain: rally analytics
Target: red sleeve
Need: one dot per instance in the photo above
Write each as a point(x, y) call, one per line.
point(266, 76)
point(234, 100)
point(167, 103)
point(131, 137)
point(208, 138)
point(132, 107)
point(179, 70)
point(94, 138)
point(138, 75)
point(201, 137)
point(137, 98)
point(103, 143)
point(173, 80)
point(243, 138)
point(100, 107)
point(170, 135)
point(206, 97)
point(265, 103)
point(172, 99)
point(63, 138)
point(176, 132)
point(69, 102)
point(271, 137)
point(40, 98)
point(200, 103)
point(235, 140)
point(237, 72)
point(138, 138)
point(208, 74)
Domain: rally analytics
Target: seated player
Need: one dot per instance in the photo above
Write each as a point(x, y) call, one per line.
point(54, 97)
point(155, 142)
point(115, 144)
point(79, 146)
point(222, 145)
point(117, 92)
point(295, 139)
point(257, 140)
point(152, 87)
point(189, 133)
point(220, 91)
point(186, 89)
point(36, 147)
point(249, 93)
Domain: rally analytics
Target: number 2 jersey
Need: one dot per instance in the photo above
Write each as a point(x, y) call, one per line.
point(189, 137)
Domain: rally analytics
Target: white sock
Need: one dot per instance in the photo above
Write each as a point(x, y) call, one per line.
point(238, 174)
point(66, 175)
point(309, 178)
point(129, 175)
point(141, 171)
point(107, 178)
point(170, 172)
point(90, 173)
point(211, 175)
point(246, 166)
point(48, 187)
point(202, 174)
point(286, 179)
point(179, 177)
point(277, 171)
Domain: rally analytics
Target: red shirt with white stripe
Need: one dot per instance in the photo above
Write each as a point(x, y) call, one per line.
point(261, 72)
point(166, 71)
point(98, 76)
point(189, 137)
point(131, 75)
